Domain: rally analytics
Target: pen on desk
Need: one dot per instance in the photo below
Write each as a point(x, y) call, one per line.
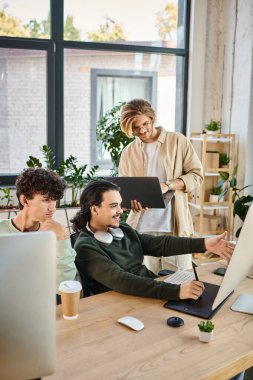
point(194, 270)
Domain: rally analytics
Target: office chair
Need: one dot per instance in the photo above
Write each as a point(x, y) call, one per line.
point(84, 281)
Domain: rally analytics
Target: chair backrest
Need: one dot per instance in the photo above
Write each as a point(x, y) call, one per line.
point(73, 238)
point(86, 290)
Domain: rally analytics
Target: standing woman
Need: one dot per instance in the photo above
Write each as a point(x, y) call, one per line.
point(170, 157)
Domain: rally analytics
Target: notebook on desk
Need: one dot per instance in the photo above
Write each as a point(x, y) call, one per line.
point(215, 296)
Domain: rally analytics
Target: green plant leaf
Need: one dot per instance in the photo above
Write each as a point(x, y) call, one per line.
point(238, 232)
point(235, 171)
point(113, 140)
point(213, 125)
point(224, 176)
point(33, 162)
point(222, 194)
point(206, 326)
point(233, 182)
point(48, 156)
point(240, 209)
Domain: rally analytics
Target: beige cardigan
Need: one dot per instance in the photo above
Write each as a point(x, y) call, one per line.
point(180, 161)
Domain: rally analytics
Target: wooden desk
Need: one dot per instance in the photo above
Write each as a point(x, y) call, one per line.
point(95, 346)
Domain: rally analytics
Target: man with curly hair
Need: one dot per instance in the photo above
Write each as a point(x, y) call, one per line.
point(37, 191)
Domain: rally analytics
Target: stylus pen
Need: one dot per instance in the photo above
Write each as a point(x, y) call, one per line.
point(194, 270)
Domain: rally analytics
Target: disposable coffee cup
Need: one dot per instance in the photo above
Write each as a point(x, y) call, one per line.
point(70, 296)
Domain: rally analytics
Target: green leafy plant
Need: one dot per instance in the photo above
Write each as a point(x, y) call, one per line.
point(7, 197)
point(213, 125)
point(74, 176)
point(206, 326)
point(112, 138)
point(216, 191)
point(224, 159)
point(240, 201)
point(34, 162)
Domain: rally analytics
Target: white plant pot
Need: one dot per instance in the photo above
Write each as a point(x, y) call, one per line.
point(205, 336)
point(212, 132)
point(214, 198)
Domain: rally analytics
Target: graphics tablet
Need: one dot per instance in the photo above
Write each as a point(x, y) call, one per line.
point(214, 296)
point(146, 190)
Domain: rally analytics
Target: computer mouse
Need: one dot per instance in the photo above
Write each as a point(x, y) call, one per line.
point(220, 271)
point(131, 322)
point(175, 322)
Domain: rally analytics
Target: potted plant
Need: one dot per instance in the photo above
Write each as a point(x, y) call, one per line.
point(213, 126)
point(215, 193)
point(7, 198)
point(75, 176)
point(224, 160)
point(205, 331)
point(241, 202)
point(112, 138)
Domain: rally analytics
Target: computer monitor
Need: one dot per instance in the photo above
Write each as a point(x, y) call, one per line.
point(241, 261)
point(27, 305)
point(214, 296)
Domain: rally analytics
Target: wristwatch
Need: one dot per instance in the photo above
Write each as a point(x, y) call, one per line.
point(169, 184)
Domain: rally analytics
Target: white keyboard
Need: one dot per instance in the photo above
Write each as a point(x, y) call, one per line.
point(180, 277)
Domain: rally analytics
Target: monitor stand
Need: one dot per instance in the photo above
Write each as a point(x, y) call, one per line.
point(243, 304)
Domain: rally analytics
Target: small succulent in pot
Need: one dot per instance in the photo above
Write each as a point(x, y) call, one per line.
point(205, 331)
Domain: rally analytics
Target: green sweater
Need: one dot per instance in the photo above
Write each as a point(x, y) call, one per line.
point(118, 266)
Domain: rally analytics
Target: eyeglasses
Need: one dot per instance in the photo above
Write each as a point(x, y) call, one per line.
point(142, 126)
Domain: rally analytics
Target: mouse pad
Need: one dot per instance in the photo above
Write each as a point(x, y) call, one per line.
point(200, 308)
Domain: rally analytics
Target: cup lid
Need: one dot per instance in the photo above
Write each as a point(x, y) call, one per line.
point(70, 286)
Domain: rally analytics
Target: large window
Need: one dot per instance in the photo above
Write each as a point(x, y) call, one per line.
point(109, 87)
point(62, 68)
point(94, 84)
point(149, 23)
point(25, 18)
point(23, 106)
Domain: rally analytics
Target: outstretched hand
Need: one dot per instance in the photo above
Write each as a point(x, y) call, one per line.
point(220, 246)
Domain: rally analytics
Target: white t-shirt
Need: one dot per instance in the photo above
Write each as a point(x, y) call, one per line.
point(155, 219)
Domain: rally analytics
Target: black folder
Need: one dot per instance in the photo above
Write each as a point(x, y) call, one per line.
point(146, 190)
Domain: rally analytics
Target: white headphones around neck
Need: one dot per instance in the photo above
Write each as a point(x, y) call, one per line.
point(107, 237)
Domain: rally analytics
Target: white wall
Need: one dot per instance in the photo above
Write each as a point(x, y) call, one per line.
point(221, 73)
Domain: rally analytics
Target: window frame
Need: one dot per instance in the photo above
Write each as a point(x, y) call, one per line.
point(55, 47)
point(48, 47)
point(95, 73)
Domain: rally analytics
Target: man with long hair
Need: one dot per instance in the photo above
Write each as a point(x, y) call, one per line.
point(110, 254)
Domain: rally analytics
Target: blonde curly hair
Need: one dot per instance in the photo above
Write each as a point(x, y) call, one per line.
point(131, 110)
